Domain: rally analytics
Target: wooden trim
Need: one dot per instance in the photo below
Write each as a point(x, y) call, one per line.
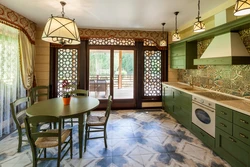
point(223, 60)
point(233, 26)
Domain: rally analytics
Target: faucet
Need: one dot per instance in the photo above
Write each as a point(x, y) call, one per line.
point(190, 83)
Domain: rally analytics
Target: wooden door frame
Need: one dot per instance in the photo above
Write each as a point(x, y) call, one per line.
point(117, 103)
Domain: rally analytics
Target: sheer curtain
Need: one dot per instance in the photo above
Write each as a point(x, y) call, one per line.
point(11, 86)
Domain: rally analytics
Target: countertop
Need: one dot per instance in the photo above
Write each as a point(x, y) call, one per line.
point(239, 104)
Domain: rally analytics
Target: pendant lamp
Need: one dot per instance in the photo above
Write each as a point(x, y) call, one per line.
point(61, 30)
point(242, 7)
point(199, 26)
point(163, 42)
point(176, 35)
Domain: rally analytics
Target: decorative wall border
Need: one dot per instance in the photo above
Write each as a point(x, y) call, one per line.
point(137, 35)
point(11, 18)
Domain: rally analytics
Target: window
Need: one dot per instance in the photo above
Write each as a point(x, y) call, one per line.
point(11, 87)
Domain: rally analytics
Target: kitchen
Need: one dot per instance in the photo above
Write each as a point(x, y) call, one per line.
point(229, 79)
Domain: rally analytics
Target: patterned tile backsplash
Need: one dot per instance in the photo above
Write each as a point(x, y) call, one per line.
point(231, 79)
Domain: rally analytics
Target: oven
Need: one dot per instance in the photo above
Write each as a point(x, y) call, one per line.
point(203, 114)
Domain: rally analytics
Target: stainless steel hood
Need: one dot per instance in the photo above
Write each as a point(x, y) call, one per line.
point(225, 49)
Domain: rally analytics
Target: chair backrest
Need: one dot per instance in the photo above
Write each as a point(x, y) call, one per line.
point(18, 109)
point(80, 92)
point(108, 109)
point(34, 124)
point(39, 92)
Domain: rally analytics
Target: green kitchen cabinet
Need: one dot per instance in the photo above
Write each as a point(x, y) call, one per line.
point(232, 150)
point(232, 136)
point(182, 55)
point(203, 136)
point(182, 110)
point(167, 98)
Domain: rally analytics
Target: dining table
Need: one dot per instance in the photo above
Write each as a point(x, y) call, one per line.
point(79, 105)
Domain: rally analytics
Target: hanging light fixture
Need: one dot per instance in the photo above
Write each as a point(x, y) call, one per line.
point(163, 42)
point(242, 7)
point(176, 35)
point(199, 26)
point(61, 30)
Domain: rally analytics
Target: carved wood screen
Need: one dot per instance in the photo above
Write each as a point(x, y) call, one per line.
point(67, 69)
point(152, 73)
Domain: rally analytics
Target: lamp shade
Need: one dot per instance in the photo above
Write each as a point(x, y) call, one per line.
point(176, 37)
point(242, 7)
point(163, 43)
point(199, 26)
point(61, 30)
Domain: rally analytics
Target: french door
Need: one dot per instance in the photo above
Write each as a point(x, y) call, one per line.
point(112, 72)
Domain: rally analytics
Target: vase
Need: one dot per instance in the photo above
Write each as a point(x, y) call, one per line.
point(66, 100)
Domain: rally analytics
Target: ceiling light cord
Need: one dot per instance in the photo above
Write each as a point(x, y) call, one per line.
point(198, 10)
point(63, 4)
point(163, 30)
point(176, 30)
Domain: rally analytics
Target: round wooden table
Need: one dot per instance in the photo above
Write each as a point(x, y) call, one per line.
point(78, 106)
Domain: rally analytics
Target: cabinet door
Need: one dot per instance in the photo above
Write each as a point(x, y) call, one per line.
point(182, 55)
point(232, 150)
point(169, 100)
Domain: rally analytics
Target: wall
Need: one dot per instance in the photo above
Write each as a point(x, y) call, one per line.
point(42, 59)
point(231, 79)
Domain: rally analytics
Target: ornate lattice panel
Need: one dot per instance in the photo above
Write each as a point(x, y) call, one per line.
point(112, 41)
point(152, 73)
point(67, 69)
point(147, 42)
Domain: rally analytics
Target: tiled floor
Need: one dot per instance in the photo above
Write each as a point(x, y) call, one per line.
point(139, 138)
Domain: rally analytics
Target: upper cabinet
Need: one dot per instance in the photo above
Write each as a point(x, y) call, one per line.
point(182, 55)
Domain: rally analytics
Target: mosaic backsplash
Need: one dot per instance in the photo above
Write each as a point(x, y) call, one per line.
point(231, 79)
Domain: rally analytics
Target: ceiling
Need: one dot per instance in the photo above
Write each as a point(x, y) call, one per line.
point(115, 14)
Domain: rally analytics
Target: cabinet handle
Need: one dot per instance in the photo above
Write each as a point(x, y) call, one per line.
point(243, 121)
point(244, 136)
point(232, 139)
point(224, 113)
point(223, 125)
point(202, 134)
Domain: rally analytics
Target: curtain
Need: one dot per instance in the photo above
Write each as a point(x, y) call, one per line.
point(11, 86)
point(27, 60)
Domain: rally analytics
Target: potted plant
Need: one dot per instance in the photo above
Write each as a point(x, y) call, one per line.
point(66, 93)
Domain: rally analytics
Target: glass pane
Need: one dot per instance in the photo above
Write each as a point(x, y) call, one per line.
point(99, 73)
point(123, 74)
point(202, 116)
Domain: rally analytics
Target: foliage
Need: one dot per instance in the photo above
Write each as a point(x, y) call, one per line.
point(66, 86)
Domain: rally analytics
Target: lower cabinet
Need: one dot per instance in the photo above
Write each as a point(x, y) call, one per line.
point(232, 150)
point(208, 140)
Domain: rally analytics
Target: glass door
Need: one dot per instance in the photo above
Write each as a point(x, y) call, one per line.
point(123, 75)
point(99, 73)
point(111, 72)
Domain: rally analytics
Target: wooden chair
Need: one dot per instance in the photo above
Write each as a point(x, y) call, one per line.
point(98, 124)
point(18, 110)
point(41, 140)
point(38, 92)
point(77, 92)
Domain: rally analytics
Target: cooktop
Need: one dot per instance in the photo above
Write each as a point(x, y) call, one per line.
point(216, 96)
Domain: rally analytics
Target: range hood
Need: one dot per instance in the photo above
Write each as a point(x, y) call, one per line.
point(225, 49)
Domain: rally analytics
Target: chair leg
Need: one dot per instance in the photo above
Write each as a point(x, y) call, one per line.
point(45, 153)
point(19, 130)
point(105, 137)
point(71, 146)
point(71, 122)
point(59, 155)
